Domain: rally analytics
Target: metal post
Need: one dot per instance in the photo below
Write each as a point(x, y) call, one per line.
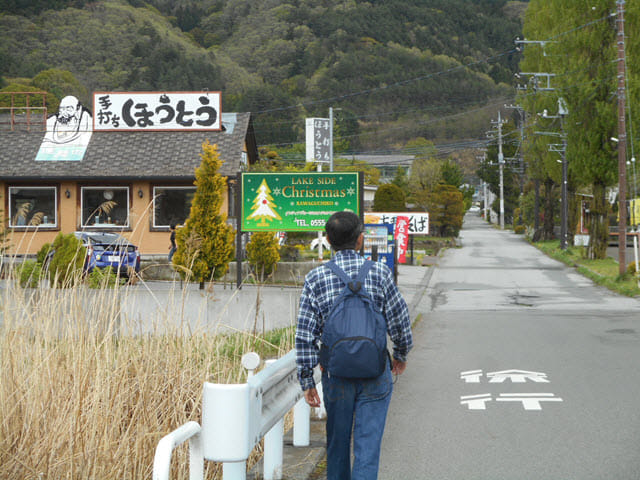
point(239, 231)
point(273, 452)
point(320, 252)
point(635, 255)
point(190, 432)
point(411, 247)
point(234, 470)
point(301, 424)
point(273, 448)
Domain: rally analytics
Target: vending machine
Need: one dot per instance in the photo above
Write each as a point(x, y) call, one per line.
point(381, 236)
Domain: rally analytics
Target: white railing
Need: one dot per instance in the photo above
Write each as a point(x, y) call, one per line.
point(236, 417)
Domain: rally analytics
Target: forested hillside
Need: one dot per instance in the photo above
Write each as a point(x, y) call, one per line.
point(394, 70)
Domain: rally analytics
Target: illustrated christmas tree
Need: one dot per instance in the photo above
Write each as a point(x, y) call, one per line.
point(263, 206)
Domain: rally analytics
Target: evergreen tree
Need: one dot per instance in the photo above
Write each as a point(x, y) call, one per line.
point(263, 253)
point(446, 210)
point(452, 173)
point(205, 243)
point(401, 179)
point(389, 198)
point(65, 267)
point(425, 176)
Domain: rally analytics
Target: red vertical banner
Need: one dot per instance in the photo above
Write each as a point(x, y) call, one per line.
point(401, 234)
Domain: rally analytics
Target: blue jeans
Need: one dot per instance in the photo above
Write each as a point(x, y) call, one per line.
point(359, 406)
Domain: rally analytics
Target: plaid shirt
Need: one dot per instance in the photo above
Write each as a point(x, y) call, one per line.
point(322, 286)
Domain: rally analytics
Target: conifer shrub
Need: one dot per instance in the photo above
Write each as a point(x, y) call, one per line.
point(389, 198)
point(65, 267)
point(42, 254)
point(103, 278)
point(263, 254)
point(206, 242)
point(29, 274)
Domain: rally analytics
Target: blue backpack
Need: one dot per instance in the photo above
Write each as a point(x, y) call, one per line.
point(354, 336)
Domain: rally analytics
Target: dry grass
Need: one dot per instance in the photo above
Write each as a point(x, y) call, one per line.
point(79, 400)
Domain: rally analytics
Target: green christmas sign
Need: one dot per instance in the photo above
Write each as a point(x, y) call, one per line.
point(296, 201)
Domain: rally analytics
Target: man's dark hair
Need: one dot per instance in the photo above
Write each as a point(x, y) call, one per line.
point(343, 230)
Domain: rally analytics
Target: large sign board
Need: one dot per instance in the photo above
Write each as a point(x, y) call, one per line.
point(318, 140)
point(68, 133)
point(296, 202)
point(418, 221)
point(156, 111)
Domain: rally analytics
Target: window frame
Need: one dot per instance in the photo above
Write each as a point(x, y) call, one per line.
point(47, 226)
point(155, 196)
point(126, 226)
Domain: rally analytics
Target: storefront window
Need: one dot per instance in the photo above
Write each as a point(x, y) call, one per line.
point(33, 207)
point(105, 207)
point(171, 205)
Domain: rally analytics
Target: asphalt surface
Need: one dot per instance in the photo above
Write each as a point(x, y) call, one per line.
point(522, 369)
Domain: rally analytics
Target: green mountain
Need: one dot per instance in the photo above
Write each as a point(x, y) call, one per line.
point(393, 70)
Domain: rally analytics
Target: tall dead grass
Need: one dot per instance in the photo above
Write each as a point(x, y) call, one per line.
point(81, 400)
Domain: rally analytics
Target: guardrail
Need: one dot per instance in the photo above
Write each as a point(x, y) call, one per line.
point(236, 417)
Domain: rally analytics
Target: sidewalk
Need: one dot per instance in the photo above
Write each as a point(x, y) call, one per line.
point(301, 462)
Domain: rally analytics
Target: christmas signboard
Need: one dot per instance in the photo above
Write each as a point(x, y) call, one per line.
point(296, 202)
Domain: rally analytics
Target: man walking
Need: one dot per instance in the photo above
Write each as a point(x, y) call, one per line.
point(355, 406)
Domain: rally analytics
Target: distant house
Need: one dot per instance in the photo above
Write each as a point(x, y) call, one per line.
point(133, 183)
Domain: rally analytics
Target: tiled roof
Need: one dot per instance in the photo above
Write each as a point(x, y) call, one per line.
point(129, 155)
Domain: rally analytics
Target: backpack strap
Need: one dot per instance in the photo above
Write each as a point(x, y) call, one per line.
point(355, 285)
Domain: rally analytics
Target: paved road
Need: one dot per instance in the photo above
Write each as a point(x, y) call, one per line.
point(497, 312)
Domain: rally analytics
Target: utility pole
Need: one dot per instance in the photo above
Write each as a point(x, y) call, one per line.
point(634, 220)
point(483, 161)
point(536, 87)
point(622, 144)
point(485, 202)
point(501, 162)
point(501, 165)
point(562, 111)
point(562, 150)
point(522, 114)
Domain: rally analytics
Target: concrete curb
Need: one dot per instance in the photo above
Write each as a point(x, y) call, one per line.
point(417, 297)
